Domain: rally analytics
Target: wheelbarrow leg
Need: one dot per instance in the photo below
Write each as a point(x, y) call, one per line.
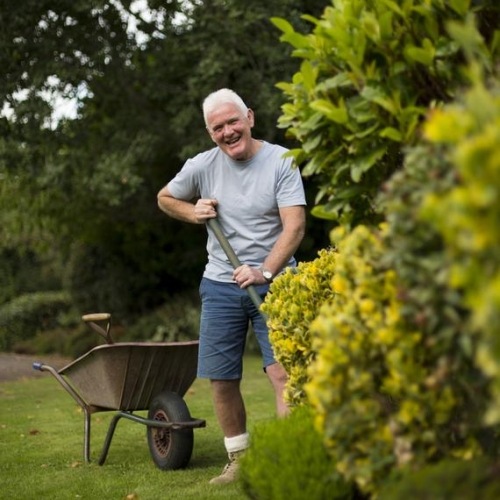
point(81, 403)
point(86, 442)
point(109, 437)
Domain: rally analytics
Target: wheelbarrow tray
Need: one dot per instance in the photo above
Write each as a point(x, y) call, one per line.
point(127, 376)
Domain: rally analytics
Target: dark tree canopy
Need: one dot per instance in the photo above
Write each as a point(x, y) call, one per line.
point(81, 191)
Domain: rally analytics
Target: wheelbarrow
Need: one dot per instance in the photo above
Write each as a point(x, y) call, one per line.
point(135, 376)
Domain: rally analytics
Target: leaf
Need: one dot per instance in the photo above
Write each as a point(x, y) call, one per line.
point(376, 95)
point(361, 165)
point(432, 27)
point(330, 111)
point(311, 123)
point(385, 22)
point(495, 44)
point(393, 6)
point(312, 143)
point(286, 87)
point(282, 24)
point(311, 168)
point(326, 213)
point(341, 80)
point(364, 132)
point(295, 40)
point(309, 74)
point(391, 133)
point(423, 55)
point(340, 170)
point(350, 192)
point(471, 41)
point(460, 6)
point(311, 19)
point(360, 109)
point(371, 26)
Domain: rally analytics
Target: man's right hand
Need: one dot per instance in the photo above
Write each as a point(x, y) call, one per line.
point(205, 208)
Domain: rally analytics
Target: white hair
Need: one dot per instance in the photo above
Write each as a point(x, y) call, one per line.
point(220, 97)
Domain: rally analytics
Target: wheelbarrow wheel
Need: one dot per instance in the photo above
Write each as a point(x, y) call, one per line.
point(170, 448)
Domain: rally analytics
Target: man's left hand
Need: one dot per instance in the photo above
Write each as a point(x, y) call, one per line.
point(245, 276)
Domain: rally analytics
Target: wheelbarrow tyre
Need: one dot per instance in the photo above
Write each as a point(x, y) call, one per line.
point(170, 449)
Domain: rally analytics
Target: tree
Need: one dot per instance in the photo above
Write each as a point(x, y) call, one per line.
point(369, 72)
point(88, 185)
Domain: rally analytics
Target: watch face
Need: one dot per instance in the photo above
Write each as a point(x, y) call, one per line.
point(268, 275)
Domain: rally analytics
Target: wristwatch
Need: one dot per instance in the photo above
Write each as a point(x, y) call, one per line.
point(268, 275)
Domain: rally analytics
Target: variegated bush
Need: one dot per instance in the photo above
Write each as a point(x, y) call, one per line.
point(292, 305)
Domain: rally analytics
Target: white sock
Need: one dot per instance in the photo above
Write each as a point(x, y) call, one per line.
point(237, 443)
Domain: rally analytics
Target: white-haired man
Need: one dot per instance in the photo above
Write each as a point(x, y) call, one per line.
point(258, 199)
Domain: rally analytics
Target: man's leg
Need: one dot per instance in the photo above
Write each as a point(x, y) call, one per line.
point(229, 407)
point(275, 371)
point(278, 377)
point(223, 331)
point(231, 414)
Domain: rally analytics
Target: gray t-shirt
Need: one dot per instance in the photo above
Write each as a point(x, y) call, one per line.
point(249, 195)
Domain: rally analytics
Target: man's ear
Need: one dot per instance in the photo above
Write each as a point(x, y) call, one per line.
point(251, 117)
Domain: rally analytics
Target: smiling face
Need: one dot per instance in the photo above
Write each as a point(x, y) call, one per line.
point(231, 130)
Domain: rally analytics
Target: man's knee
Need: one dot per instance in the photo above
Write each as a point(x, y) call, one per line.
point(277, 374)
point(225, 387)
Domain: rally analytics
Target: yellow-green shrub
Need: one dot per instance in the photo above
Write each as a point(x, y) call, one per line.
point(292, 305)
point(468, 214)
point(381, 391)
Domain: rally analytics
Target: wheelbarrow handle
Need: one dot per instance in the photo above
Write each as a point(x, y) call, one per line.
point(92, 319)
point(96, 317)
point(233, 258)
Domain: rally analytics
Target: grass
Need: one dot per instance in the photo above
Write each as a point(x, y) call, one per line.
point(41, 446)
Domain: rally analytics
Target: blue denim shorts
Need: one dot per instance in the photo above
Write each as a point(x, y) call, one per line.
point(226, 311)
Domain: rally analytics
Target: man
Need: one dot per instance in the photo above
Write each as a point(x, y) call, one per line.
point(258, 199)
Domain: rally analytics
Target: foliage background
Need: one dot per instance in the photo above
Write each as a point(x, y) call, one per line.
point(78, 205)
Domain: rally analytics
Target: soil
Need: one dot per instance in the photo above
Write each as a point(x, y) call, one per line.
point(18, 366)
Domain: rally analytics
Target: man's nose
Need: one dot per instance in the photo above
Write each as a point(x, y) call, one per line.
point(228, 129)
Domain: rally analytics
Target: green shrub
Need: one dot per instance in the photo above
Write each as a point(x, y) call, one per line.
point(26, 271)
point(24, 316)
point(176, 320)
point(369, 71)
point(287, 461)
point(105, 278)
point(70, 342)
point(292, 305)
point(450, 479)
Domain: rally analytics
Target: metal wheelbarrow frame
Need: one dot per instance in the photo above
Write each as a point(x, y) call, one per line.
point(128, 377)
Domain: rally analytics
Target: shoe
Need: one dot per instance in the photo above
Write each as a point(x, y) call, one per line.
point(230, 472)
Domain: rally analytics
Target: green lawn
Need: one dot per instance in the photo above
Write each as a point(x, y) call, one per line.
point(41, 446)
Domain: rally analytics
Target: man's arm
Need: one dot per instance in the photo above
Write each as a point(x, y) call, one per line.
point(294, 223)
point(195, 213)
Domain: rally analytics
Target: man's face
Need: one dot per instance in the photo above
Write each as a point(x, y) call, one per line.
point(231, 130)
